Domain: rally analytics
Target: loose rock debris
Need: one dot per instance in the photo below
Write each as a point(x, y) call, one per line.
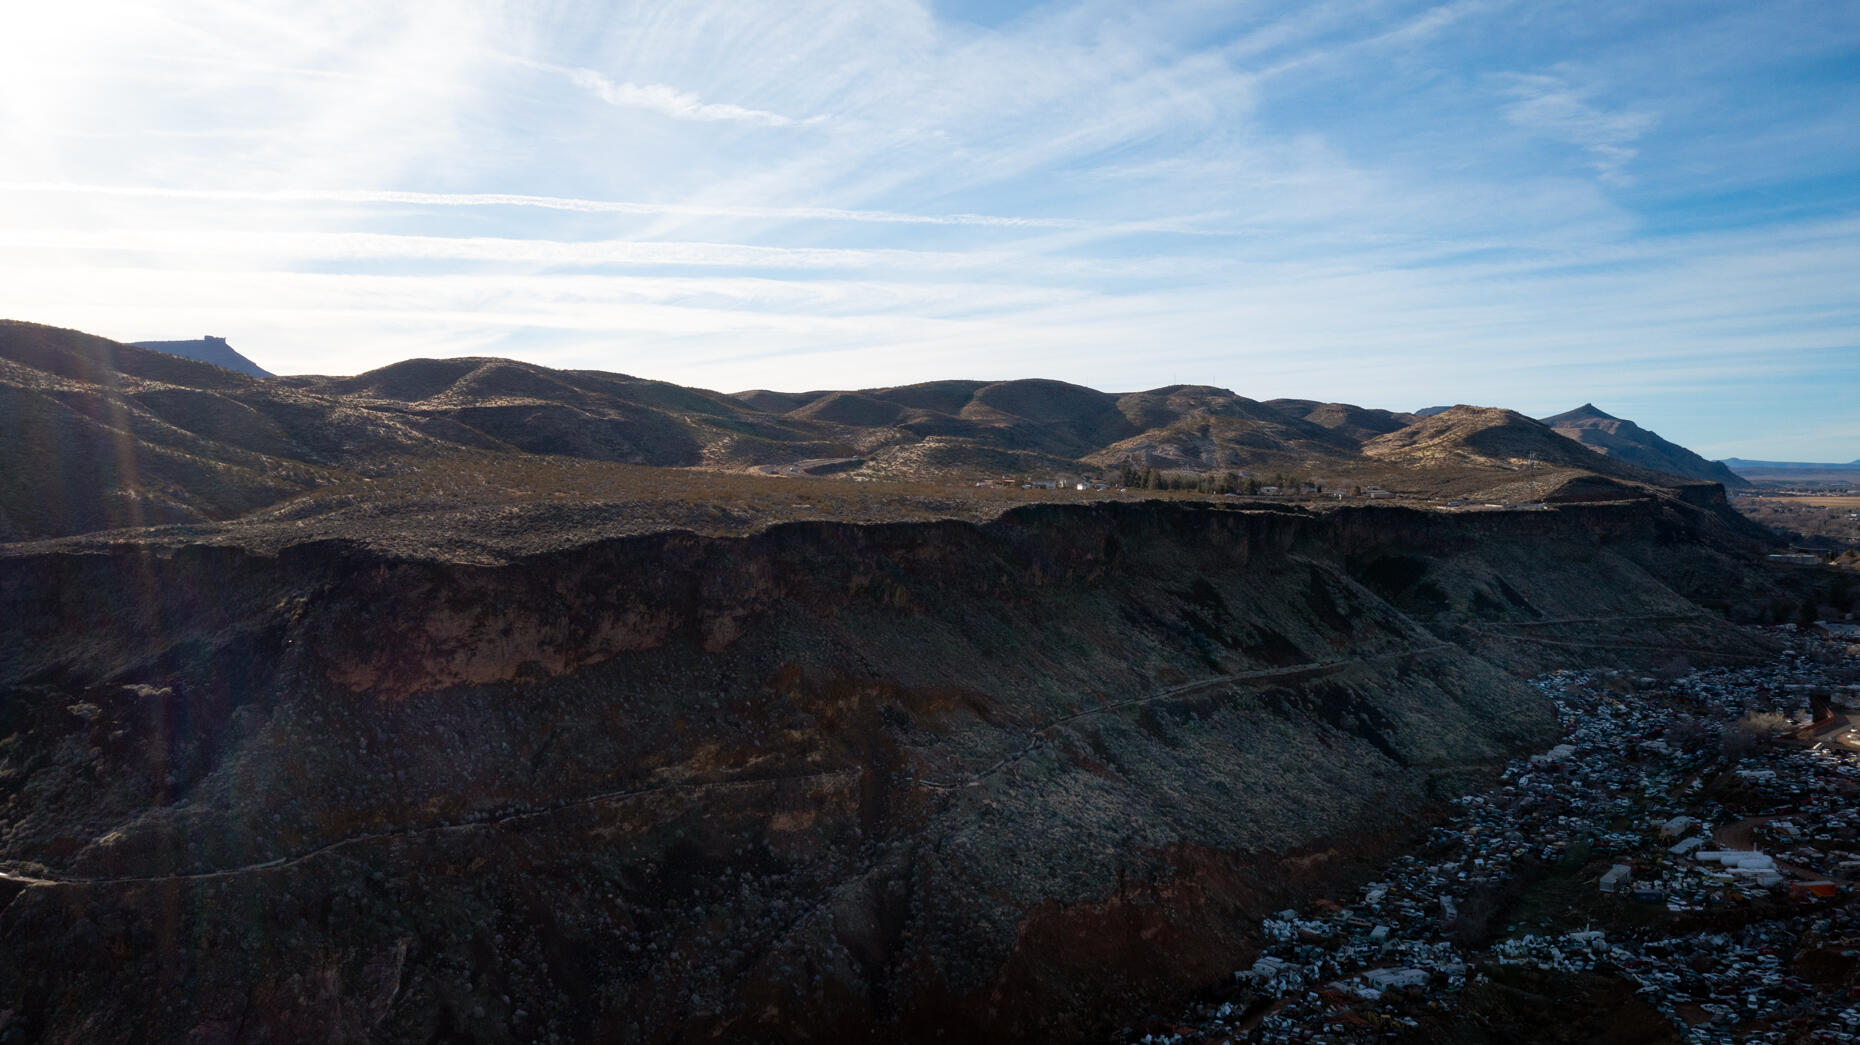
point(1687, 850)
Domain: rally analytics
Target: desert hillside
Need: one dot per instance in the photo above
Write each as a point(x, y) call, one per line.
point(112, 436)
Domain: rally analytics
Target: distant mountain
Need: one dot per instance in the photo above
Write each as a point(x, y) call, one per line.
point(1627, 441)
point(1483, 435)
point(1458, 449)
point(105, 435)
point(1795, 473)
point(208, 349)
point(1016, 425)
point(1359, 423)
point(1738, 464)
point(1429, 411)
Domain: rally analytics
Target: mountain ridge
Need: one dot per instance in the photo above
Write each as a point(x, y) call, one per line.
point(128, 437)
point(1618, 437)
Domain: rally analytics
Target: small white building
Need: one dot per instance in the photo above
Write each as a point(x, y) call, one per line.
point(1405, 976)
point(1618, 878)
point(1678, 827)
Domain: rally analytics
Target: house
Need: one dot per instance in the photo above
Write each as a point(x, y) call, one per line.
point(1376, 492)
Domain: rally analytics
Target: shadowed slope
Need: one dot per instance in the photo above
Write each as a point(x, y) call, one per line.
point(1623, 439)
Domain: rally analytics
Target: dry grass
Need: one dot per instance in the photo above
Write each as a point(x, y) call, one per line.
point(488, 507)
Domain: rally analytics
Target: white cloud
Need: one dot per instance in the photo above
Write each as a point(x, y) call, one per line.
point(677, 104)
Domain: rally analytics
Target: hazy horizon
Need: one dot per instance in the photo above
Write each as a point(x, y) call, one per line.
point(1652, 208)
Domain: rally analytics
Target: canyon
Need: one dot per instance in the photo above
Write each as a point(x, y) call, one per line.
point(1027, 777)
point(467, 700)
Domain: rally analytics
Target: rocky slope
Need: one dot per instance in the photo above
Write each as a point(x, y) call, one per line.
point(1623, 439)
point(1022, 778)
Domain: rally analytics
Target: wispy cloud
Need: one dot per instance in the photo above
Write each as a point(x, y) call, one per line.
point(561, 203)
point(1280, 197)
point(376, 246)
point(1550, 106)
point(677, 104)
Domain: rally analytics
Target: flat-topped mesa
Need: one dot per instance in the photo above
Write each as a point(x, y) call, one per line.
point(209, 349)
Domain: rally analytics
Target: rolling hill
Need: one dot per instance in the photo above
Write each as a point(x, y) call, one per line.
point(106, 435)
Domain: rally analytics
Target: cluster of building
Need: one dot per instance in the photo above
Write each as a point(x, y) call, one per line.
point(1688, 837)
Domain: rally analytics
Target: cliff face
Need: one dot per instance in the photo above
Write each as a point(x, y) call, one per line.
point(1022, 779)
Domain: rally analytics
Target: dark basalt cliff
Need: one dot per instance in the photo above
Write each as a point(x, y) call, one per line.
point(1025, 779)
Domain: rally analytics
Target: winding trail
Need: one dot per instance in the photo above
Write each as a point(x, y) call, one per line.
point(1640, 617)
point(1035, 738)
point(1314, 669)
point(1506, 630)
point(1743, 835)
point(414, 830)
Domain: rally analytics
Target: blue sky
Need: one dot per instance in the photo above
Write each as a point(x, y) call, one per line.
point(1651, 206)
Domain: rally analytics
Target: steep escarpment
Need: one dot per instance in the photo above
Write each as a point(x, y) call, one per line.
point(1024, 778)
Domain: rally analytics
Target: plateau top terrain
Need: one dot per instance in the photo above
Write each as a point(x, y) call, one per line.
point(109, 435)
